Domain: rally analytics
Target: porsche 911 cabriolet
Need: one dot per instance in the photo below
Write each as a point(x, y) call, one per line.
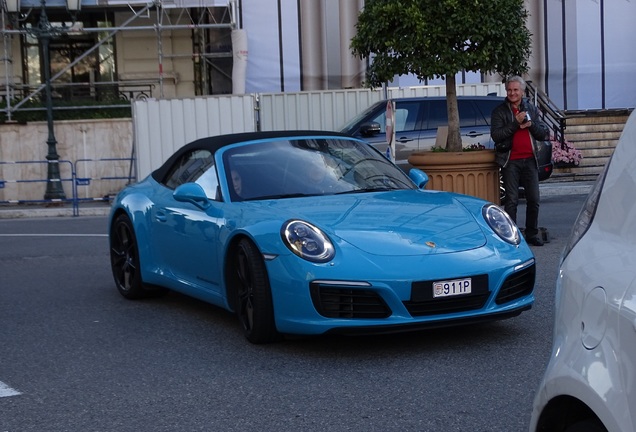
point(313, 232)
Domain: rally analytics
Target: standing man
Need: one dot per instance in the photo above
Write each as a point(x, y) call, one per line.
point(515, 128)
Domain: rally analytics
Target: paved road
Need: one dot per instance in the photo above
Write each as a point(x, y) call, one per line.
point(82, 358)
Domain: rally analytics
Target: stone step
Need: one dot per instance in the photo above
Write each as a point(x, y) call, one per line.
point(592, 135)
point(593, 127)
point(591, 153)
point(591, 144)
point(595, 133)
point(597, 116)
point(593, 161)
point(558, 176)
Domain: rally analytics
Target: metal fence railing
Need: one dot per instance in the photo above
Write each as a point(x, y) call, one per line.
point(103, 171)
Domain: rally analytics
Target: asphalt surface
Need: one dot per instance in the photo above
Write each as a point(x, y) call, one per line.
point(75, 356)
point(99, 208)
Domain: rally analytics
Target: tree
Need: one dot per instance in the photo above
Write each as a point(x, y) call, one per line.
point(440, 38)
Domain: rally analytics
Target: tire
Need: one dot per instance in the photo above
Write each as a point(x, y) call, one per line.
point(124, 261)
point(587, 425)
point(254, 306)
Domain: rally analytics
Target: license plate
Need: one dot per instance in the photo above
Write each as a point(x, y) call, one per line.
point(452, 288)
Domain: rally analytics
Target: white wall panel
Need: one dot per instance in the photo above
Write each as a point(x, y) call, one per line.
point(322, 110)
point(163, 126)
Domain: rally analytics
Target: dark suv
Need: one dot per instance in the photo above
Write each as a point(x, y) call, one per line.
point(417, 120)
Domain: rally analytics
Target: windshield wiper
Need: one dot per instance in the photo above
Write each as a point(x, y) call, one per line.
point(280, 196)
point(368, 189)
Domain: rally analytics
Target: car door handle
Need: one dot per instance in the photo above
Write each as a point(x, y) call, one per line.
point(404, 139)
point(474, 134)
point(161, 216)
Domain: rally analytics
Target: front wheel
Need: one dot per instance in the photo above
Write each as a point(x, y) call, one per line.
point(254, 297)
point(124, 261)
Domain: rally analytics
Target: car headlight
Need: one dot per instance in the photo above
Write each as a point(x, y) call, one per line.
point(307, 241)
point(501, 223)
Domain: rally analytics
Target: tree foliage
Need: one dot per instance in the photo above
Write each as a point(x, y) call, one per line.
point(440, 38)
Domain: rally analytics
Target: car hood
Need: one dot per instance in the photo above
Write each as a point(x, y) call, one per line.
point(391, 223)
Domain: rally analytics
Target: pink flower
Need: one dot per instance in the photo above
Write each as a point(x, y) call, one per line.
point(565, 152)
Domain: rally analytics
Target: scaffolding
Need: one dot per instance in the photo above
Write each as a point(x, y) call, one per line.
point(200, 17)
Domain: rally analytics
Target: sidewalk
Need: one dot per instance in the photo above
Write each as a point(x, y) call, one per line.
point(555, 188)
point(17, 211)
point(9, 211)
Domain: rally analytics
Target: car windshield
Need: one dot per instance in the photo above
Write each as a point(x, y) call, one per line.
point(289, 168)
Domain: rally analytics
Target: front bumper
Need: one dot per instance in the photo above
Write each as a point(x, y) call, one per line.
point(395, 298)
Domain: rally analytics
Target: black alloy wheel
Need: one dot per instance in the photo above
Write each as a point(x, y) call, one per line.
point(254, 298)
point(124, 261)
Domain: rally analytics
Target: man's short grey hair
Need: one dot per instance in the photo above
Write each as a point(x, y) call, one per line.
point(517, 78)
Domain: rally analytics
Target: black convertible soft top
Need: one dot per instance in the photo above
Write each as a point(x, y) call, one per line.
point(213, 143)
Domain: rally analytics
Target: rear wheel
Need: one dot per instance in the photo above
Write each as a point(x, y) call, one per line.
point(254, 297)
point(124, 261)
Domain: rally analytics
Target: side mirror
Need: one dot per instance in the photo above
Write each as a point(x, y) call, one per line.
point(192, 193)
point(418, 177)
point(370, 129)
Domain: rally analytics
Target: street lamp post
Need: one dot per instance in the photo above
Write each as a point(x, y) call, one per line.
point(54, 189)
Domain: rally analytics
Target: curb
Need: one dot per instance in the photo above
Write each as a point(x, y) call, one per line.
point(20, 212)
point(565, 188)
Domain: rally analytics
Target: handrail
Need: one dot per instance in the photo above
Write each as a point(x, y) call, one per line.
point(552, 115)
point(102, 91)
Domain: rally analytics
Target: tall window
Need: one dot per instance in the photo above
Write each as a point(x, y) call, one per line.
point(86, 73)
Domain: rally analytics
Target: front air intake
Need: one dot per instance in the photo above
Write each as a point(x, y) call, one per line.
point(344, 302)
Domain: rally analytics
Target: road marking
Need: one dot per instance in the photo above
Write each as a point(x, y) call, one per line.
point(53, 235)
point(6, 391)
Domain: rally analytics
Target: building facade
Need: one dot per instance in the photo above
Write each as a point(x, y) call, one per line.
point(121, 49)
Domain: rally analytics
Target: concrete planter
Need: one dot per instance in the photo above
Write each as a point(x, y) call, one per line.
point(472, 173)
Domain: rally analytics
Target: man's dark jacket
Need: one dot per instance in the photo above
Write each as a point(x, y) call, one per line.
point(503, 126)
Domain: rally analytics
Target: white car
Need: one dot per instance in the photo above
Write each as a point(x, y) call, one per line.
point(590, 381)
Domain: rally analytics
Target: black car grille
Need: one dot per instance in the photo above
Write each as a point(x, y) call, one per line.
point(422, 302)
point(517, 285)
point(343, 302)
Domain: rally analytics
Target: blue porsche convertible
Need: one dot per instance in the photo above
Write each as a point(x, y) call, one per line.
point(310, 232)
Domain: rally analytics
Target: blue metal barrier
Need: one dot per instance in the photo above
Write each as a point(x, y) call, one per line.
point(74, 180)
point(86, 181)
point(3, 183)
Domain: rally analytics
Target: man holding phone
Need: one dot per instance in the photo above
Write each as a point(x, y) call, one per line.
point(515, 128)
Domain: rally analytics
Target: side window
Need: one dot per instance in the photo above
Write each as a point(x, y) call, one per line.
point(407, 115)
point(486, 107)
point(381, 119)
point(437, 114)
point(468, 115)
point(189, 168)
point(210, 183)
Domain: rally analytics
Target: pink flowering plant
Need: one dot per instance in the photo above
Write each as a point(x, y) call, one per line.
point(565, 153)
